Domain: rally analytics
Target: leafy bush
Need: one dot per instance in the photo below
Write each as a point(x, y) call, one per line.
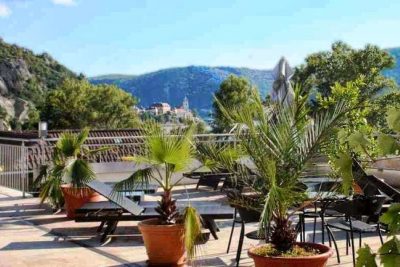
point(76, 104)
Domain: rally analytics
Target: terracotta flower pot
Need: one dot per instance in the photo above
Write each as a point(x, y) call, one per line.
point(164, 243)
point(76, 197)
point(319, 260)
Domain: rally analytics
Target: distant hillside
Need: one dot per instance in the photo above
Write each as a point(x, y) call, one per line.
point(24, 78)
point(112, 78)
point(198, 83)
point(395, 72)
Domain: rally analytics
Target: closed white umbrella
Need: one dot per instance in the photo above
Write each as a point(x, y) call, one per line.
point(282, 90)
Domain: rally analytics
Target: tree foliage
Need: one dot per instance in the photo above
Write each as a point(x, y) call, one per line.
point(76, 104)
point(345, 64)
point(234, 91)
point(325, 72)
point(389, 252)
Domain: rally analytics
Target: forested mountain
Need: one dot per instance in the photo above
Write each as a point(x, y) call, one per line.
point(198, 83)
point(24, 79)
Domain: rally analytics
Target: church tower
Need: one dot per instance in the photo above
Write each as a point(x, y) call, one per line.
point(185, 104)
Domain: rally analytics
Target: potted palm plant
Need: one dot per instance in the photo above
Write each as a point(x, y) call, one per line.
point(173, 235)
point(279, 141)
point(64, 180)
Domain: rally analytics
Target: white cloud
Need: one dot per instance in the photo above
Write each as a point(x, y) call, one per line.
point(64, 2)
point(5, 11)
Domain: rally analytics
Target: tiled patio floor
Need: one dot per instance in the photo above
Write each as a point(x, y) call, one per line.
point(30, 235)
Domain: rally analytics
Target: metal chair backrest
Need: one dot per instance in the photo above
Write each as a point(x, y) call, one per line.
point(248, 215)
point(374, 209)
point(359, 206)
point(242, 203)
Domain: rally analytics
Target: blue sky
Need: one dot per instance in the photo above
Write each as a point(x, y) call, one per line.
point(137, 36)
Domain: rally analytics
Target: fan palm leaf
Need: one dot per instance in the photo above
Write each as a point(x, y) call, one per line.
point(164, 155)
point(69, 165)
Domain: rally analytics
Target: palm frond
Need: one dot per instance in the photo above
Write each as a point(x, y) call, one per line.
point(173, 150)
point(51, 190)
point(90, 152)
point(140, 177)
point(69, 165)
point(81, 137)
point(80, 173)
point(192, 222)
point(67, 145)
point(218, 157)
point(41, 177)
point(318, 134)
point(282, 137)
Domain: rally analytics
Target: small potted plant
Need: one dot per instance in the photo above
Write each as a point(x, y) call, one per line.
point(64, 180)
point(279, 141)
point(169, 239)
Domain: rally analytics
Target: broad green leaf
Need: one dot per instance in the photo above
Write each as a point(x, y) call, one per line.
point(343, 165)
point(358, 141)
point(390, 253)
point(393, 119)
point(387, 144)
point(342, 135)
point(392, 218)
point(365, 257)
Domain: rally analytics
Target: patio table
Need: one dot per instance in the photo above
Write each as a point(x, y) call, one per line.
point(110, 213)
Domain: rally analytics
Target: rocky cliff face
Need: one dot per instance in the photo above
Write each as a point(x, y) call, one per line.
point(13, 76)
point(24, 79)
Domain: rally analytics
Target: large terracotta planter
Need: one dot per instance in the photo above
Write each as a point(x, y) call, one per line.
point(319, 260)
point(164, 243)
point(76, 197)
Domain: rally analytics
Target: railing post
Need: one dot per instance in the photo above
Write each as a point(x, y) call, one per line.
point(23, 168)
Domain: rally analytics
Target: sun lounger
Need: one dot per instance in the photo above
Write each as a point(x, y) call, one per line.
point(120, 208)
point(208, 179)
point(371, 185)
point(117, 197)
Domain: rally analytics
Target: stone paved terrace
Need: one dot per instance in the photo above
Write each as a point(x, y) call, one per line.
point(31, 235)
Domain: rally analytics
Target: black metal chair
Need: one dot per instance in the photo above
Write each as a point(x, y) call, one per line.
point(246, 216)
point(211, 180)
point(354, 210)
point(319, 210)
point(243, 216)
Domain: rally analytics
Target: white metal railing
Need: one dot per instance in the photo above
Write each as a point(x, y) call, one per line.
point(14, 167)
point(21, 157)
